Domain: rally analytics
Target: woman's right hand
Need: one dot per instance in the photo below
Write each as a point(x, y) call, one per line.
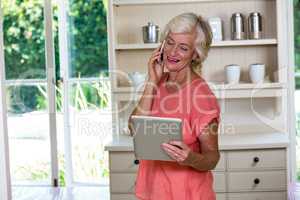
point(155, 66)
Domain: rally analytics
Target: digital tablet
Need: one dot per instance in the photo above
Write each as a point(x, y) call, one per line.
point(150, 132)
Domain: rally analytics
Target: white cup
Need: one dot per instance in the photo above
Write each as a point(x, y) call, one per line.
point(257, 72)
point(233, 73)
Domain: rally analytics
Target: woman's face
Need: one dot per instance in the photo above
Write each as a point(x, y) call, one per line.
point(179, 50)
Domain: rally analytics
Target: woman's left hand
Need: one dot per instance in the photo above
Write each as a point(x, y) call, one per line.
point(177, 150)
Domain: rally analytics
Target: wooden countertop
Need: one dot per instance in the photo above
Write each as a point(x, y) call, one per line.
point(226, 142)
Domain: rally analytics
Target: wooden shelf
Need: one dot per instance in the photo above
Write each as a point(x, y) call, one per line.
point(247, 90)
point(222, 91)
point(220, 86)
point(142, 2)
point(253, 141)
point(225, 86)
point(230, 43)
point(136, 46)
point(225, 43)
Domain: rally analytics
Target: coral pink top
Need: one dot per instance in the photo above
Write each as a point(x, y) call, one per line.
point(196, 106)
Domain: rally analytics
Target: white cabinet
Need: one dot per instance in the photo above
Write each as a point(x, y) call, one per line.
point(261, 105)
point(129, 53)
point(254, 156)
point(219, 182)
point(122, 182)
point(233, 177)
point(122, 162)
point(132, 197)
point(123, 174)
point(122, 197)
point(249, 181)
point(258, 196)
point(266, 159)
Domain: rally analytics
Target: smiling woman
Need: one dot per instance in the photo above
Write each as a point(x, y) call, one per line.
point(181, 93)
point(197, 40)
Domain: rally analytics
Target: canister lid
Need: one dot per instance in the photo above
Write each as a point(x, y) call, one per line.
point(237, 14)
point(255, 14)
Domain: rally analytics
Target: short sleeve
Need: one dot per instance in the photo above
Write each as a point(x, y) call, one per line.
point(204, 110)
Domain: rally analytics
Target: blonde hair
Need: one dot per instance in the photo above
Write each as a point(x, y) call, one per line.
point(186, 23)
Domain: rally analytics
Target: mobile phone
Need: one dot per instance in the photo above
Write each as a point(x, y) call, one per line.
point(162, 51)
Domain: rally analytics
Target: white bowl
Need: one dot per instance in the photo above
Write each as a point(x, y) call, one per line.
point(137, 78)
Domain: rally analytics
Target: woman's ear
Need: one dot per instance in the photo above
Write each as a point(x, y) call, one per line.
point(195, 56)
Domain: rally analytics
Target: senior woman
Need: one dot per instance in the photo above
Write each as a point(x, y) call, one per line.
point(181, 93)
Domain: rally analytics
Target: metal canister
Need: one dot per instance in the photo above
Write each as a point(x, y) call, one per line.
point(255, 25)
point(237, 26)
point(150, 33)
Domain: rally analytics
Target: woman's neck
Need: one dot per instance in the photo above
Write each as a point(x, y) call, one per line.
point(181, 77)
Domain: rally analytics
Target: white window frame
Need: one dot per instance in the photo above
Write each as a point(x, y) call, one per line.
point(5, 189)
point(292, 165)
point(64, 72)
point(5, 180)
point(67, 80)
point(49, 82)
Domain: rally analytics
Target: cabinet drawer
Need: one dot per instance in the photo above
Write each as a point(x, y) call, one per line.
point(257, 181)
point(123, 197)
point(257, 159)
point(122, 162)
point(122, 182)
point(222, 163)
point(219, 182)
point(258, 196)
point(220, 196)
point(125, 182)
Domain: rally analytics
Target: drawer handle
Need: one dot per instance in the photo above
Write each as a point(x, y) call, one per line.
point(136, 162)
point(256, 181)
point(256, 159)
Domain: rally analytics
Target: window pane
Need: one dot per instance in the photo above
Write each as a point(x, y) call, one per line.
point(28, 130)
point(90, 120)
point(24, 39)
point(88, 38)
point(297, 41)
point(297, 109)
point(297, 80)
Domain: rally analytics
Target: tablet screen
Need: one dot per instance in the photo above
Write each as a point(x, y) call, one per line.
point(150, 132)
